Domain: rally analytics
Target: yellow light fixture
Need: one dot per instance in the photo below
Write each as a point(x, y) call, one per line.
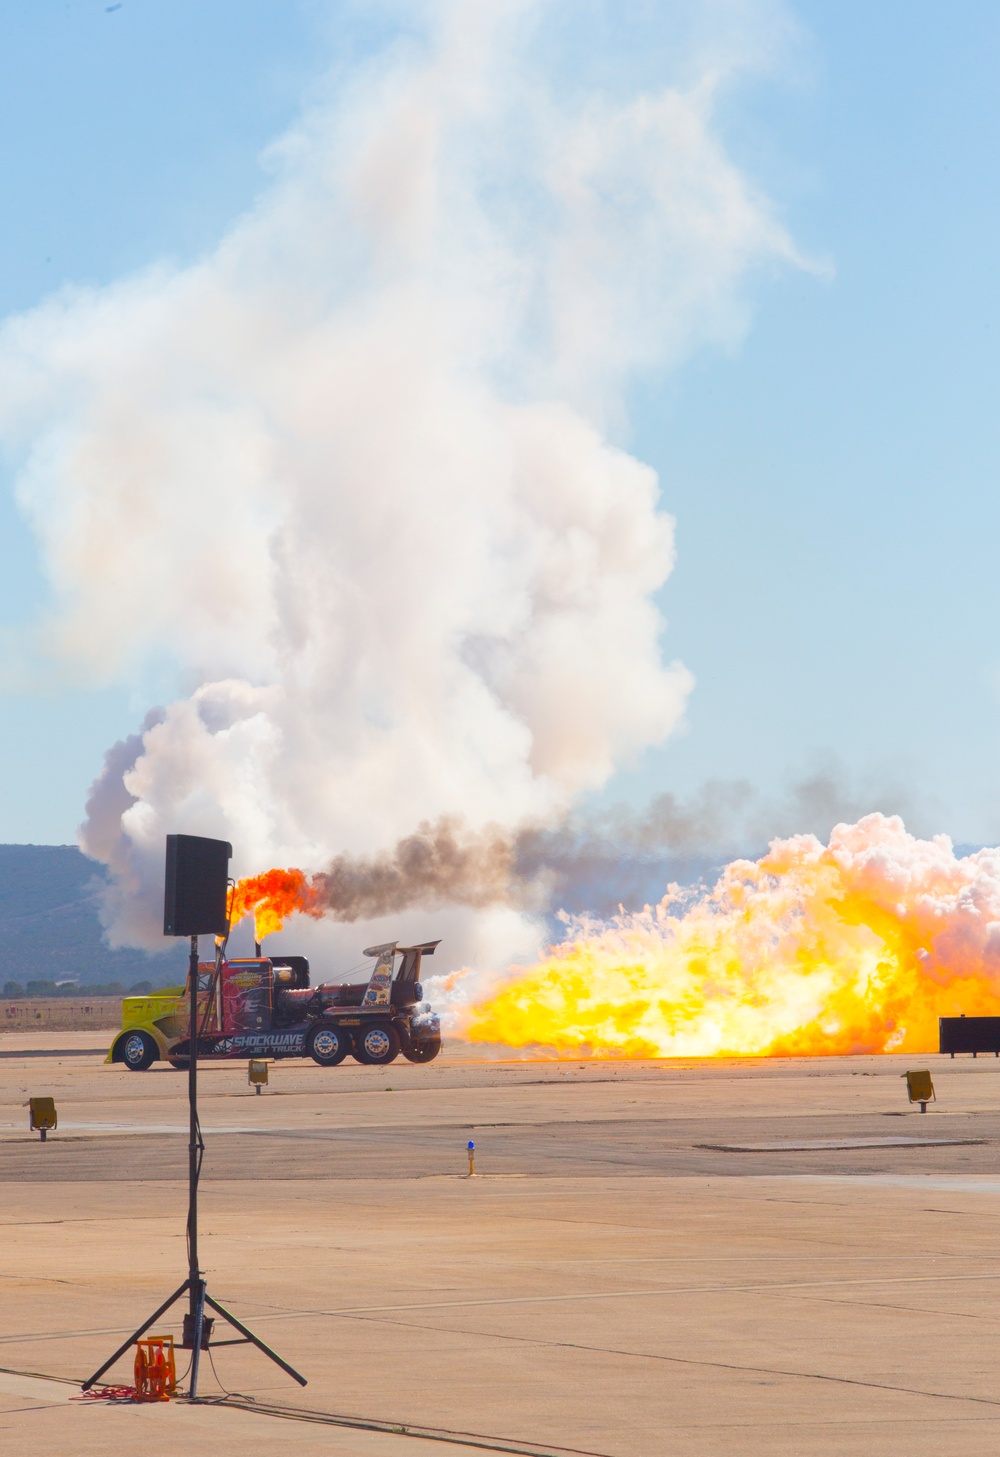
point(920, 1089)
point(42, 1115)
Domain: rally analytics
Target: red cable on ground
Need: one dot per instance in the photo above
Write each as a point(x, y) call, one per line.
point(107, 1393)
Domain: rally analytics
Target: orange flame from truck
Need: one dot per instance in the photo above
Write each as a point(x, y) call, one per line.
point(270, 898)
point(855, 946)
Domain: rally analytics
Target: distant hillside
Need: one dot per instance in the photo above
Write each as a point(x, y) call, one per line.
point(49, 926)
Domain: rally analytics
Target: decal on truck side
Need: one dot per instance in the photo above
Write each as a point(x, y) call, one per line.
point(261, 1042)
point(380, 985)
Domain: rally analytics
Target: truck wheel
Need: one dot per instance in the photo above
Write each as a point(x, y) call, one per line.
point(377, 1044)
point(328, 1045)
point(139, 1052)
point(422, 1051)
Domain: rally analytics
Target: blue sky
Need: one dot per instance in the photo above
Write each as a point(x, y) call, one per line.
point(833, 477)
point(836, 483)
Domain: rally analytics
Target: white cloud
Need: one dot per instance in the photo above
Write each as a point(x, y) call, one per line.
point(349, 473)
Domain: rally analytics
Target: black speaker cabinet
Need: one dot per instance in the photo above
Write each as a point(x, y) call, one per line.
point(196, 884)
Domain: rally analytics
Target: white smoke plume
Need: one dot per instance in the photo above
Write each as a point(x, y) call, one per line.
point(349, 473)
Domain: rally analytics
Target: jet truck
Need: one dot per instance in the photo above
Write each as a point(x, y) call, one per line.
point(265, 1007)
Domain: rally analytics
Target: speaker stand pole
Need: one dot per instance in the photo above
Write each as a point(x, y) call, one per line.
point(195, 1335)
point(196, 1148)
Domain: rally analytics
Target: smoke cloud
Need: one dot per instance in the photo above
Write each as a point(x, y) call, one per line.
point(586, 862)
point(349, 476)
point(440, 864)
point(597, 861)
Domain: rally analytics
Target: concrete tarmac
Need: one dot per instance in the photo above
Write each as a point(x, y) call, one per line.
point(654, 1257)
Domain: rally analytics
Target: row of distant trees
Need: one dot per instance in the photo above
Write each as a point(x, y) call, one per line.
point(13, 991)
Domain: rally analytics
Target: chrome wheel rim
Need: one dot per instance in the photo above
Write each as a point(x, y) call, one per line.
point(135, 1049)
point(377, 1043)
point(327, 1044)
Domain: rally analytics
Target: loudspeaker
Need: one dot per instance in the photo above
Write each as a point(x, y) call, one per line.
point(195, 886)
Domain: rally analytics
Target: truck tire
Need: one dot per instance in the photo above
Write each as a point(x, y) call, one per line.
point(377, 1044)
point(328, 1044)
point(139, 1051)
point(423, 1051)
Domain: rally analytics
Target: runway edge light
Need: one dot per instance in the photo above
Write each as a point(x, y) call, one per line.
point(920, 1089)
point(42, 1116)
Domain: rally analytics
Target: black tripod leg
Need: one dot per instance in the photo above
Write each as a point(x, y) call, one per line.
point(135, 1336)
point(255, 1340)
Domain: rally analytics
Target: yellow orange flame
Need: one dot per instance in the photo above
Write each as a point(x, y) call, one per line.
point(270, 897)
point(858, 946)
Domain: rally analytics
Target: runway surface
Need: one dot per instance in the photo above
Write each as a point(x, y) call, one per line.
point(652, 1258)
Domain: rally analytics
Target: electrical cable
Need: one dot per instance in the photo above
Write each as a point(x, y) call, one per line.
point(226, 1393)
point(106, 1393)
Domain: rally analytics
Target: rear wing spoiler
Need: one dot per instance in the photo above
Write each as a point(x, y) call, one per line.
point(409, 971)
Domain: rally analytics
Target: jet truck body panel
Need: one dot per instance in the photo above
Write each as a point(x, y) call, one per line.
point(266, 1007)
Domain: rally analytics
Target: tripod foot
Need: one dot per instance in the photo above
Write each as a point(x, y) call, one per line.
point(171, 1300)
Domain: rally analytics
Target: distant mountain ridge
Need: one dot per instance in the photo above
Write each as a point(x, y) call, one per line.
point(50, 928)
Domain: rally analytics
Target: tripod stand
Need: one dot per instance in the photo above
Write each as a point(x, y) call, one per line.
point(197, 1325)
